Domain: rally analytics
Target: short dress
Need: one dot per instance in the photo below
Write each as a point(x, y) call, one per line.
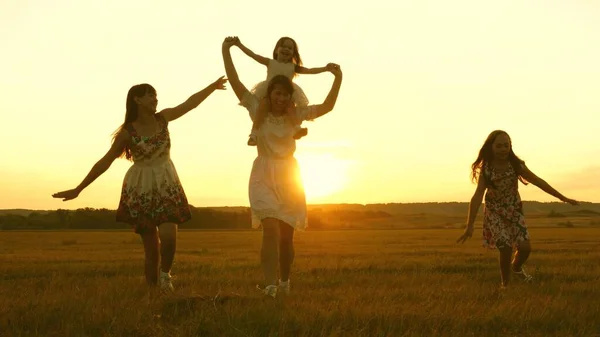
point(503, 218)
point(275, 187)
point(152, 193)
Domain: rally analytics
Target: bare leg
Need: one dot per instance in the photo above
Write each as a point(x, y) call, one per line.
point(151, 249)
point(269, 254)
point(505, 256)
point(522, 254)
point(168, 244)
point(286, 250)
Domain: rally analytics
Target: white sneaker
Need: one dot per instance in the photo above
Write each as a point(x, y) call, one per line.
point(269, 290)
point(284, 286)
point(523, 275)
point(165, 281)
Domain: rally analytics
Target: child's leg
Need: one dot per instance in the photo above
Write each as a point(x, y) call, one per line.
point(505, 256)
point(293, 116)
point(259, 118)
point(522, 254)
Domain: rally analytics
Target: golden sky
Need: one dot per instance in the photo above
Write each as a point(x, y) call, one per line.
point(424, 83)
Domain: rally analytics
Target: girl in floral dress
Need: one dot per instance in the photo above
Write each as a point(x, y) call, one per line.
point(152, 201)
point(277, 199)
point(497, 172)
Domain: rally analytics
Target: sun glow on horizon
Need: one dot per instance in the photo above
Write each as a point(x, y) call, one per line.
point(323, 174)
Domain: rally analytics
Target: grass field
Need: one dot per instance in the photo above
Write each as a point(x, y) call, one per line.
point(345, 283)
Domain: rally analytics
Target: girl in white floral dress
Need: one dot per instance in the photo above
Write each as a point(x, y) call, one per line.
point(497, 172)
point(276, 193)
point(152, 197)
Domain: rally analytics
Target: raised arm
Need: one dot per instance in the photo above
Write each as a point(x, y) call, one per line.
point(260, 59)
point(310, 71)
point(544, 186)
point(474, 205)
point(237, 86)
point(327, 105)
point(99, 168)
point(191, 103)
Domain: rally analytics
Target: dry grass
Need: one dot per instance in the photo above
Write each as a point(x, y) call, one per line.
point(346, 283)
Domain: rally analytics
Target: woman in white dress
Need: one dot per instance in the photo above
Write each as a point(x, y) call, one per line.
point(277, 199)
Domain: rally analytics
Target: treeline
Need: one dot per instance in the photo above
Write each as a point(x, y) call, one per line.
point(202, 218)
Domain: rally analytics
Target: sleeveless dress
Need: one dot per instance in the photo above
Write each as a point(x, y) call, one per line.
point(279, 68)
point(152, 193)
point(504, 220)
point(275, 186)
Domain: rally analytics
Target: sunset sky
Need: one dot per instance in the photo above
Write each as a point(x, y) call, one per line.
point(424, 83)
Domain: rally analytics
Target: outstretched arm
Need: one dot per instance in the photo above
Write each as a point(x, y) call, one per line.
point(310, 71)
point(327, 105)
point(99, 168)
point(544, 186)
point(474, 205)
point(237, 86)
point(171, 114)
point(260, 59)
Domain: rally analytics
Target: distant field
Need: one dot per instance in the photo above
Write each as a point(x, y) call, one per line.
point(346, 283)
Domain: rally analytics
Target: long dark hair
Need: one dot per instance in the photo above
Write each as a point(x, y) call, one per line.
point(296, 60)
point(131, 112)
point(486, 155)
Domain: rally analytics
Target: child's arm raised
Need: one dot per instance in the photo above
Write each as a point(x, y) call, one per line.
point(310, 71)
point(544, 186)
point(319, 110)
point(191, 103)
point(99, 168)
point(260, 59)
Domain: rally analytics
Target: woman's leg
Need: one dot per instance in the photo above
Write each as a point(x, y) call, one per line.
point(151, 253)
point(269, 254)
point(168, 244)
point(286, 250)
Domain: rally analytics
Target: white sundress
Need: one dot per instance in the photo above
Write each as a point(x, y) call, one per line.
point(275, 187)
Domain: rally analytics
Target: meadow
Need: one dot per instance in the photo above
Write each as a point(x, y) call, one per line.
point(404, 282)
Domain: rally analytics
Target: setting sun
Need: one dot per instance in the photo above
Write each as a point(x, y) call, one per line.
point(323, 174)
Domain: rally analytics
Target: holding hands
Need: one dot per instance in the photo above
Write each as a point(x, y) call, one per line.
point(334, 69)
point(231, 41)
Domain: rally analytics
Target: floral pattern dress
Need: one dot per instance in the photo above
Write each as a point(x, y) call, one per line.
point(504, 220)
point(152, 193)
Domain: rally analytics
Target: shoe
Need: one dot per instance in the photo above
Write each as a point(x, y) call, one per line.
point(301, 132)
point(284, 286)
point(523, 275)
point(270, 291)
point(165, 281)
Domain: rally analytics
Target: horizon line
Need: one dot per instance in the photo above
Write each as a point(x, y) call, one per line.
point(326, 204)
